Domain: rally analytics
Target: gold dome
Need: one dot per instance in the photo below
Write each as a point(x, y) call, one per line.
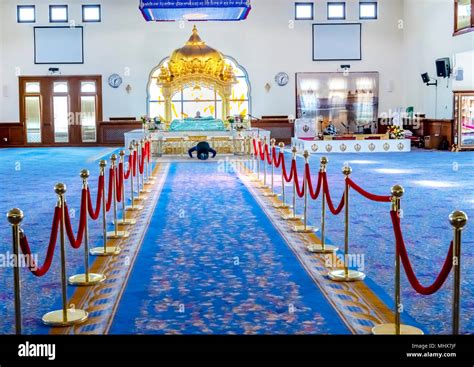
point(196, 58)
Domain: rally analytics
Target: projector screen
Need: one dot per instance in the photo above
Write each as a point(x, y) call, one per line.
point(59, 45)
point(337, 41)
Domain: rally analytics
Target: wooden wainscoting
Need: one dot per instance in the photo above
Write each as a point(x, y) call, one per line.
point(279, 126)
point(11, 134)
point(112, 132)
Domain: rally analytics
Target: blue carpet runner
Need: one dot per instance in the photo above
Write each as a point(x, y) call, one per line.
point(211, 262)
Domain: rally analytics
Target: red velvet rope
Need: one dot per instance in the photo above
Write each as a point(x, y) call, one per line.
point(109, 193)
point(134, 165)
point(94, 214)
point(299, 192)
point(141, 161)
point(314, 195)
point(261, 152)
point(76, 242)
point(255, 150)
point(126, 175)
point(331, 207)
point(277, 158)
point(25, 247)
point(267, 152)
point(368, 195)
point(148, 150)
point(119, 182)
point(283, 169)
point(402, 252)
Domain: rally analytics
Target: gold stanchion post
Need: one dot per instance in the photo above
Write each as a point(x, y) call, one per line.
point(143, 190)
point(124, 221)
point(104, 250)
point(271, 193)
point(133, 199)
point(346, 275)
point(305, 228)
point(458, 220)
point(115, 234)
point(87, 278)
point(282, 205)
point(150, 179)
point(66, 316)
point(396, 328)
point(322, 248)
point(15, 217)
point(292, 216)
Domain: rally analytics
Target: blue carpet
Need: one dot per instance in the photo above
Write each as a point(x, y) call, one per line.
point(212, 262)
point(436, 183)
point(27, 179)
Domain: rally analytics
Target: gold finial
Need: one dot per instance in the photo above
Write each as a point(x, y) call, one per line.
point(306, 155)
point(60, 188)
point(281, 145)
point(15, 216)
point(323, 164)
point(458, 219)
point(84, 174)
point(272, 141)
point(346, 170)
point(130, 146)
point(103, 163)
point(135, 143)
point(294, 150)
point(195, 30)
point(113, 157)
point(398, 191)
point(122, 153)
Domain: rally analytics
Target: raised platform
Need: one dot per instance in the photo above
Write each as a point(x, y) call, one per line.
point(177, 142)
point(352, 146)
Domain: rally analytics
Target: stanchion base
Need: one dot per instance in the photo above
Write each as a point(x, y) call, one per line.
point(139, 200)
point(389, 329)
point(282, 206)
point(145, 191)
point(119, 234)
point(318, 249)
point(271, 195)
point(56, 318)
point(80, 279)
point(109, 251)
point(304, 229)
point(134, 208)
point(126, 222)
point(291, 217)
point(340, 276)
point(263, 187)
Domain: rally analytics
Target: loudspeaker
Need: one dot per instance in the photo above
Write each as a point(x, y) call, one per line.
point(443, 67)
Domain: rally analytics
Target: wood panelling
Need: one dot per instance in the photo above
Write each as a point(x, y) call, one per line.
point(280, 127)
point(11, 134)
point(112, 132)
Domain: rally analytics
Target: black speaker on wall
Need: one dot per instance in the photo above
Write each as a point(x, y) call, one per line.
point(443, 67)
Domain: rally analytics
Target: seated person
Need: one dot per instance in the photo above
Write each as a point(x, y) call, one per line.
point(330, 129)
point(203, 149)
point(198, 115)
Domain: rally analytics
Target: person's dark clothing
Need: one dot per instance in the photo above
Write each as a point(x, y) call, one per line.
point(203, 149)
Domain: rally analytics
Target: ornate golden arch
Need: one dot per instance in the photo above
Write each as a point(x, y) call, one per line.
point(196, 64)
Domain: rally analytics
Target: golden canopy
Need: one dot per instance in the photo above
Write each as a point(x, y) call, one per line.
point(196, 64)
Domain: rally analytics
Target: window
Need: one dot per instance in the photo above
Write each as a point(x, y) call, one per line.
point(61, 112)
point(88, 116)
point(91, 13)
point(25, 14)
point(304, 11)
point(194, 98)
point(32, 108)
point(58, 14)
point(336, 11)
point(367, 10)
point(463, 17)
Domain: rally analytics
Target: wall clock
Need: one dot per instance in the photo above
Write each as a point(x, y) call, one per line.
point(282, 79)
point(115, 80)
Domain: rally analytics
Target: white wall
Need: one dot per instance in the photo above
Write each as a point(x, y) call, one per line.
point(428, 30)
point(264, 44)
